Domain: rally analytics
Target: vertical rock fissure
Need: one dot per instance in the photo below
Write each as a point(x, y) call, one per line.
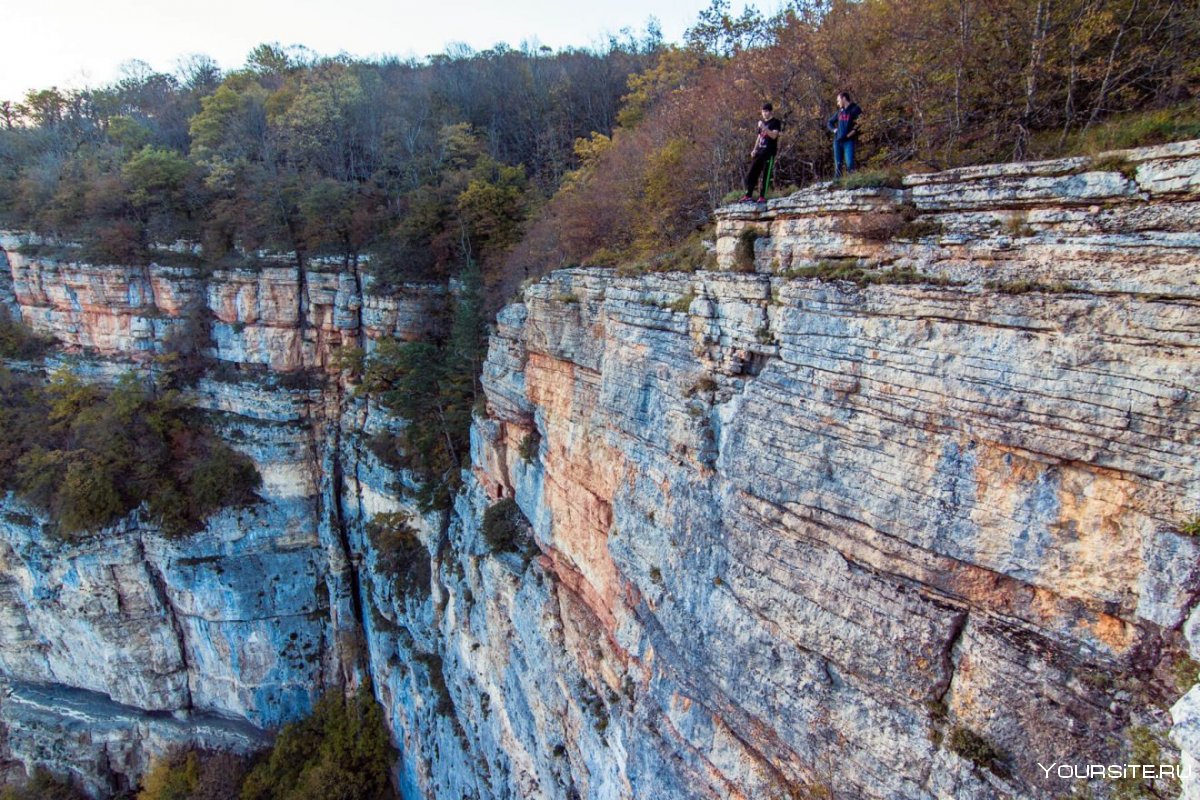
point(942, 688)
point(362, 599)
point(301, 308)
point(360, 336)
point(158, 583)
point(937, 700)
point(1192, 603)
point(336, 484)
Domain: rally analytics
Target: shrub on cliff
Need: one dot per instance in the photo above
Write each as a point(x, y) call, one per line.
point(89, 456)
point(43, 785)
point(399, 553)
point(17, 341)
point(342, 750)
point(171, 778)
point(505, 528)
point(975, 748)
point(184, 359)
point(195, 775)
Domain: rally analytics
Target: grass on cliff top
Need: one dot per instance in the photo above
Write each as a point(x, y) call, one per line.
point(848, 270)
point(696, 252)
point(773, 193)
point(1140, 130)
point(88, 456)
point(892, 178)
point(1176, 123)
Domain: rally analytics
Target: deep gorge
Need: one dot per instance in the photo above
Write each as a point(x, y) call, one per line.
point(891, 504)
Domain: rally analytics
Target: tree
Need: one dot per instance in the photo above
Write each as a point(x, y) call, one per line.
point(434, 389)
point(719, 33)
point(342, 750)
point(89, 457)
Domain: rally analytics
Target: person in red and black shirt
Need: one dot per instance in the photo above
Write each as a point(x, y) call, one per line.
point(844, 125)
point(762, 157)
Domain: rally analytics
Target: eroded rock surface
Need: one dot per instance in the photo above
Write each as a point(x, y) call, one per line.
point(787, 536)
point(801, 535)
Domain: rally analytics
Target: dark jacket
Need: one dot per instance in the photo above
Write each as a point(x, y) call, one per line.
point(844, 123)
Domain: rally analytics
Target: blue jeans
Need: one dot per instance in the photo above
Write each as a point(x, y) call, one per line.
point(843, 157)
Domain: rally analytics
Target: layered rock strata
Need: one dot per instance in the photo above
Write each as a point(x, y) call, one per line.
point(251, 619)
point(280, 317)
point(802, 534)
point(1124, 222)
point(907, 535)
point(905, 538)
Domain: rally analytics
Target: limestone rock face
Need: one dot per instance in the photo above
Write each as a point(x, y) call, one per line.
point(910, 536)
point(801, 533)
point(278, 316)
point(103, 745)
point(249, 620)
point(237, 622)
point(795, 535)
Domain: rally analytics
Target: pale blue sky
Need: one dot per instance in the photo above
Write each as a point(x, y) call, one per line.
point(77, 43)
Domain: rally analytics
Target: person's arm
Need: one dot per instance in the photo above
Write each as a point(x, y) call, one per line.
point(853, 132)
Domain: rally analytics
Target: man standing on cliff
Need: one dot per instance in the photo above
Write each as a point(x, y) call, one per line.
point(762, 156)
point(844, 125)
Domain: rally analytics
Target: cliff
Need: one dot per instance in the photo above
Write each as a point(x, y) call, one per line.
point(229, 632)
point(803, 535)
point(890, 505)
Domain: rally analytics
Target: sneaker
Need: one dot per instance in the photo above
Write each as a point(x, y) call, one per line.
point(762, 199)
point(746, 199)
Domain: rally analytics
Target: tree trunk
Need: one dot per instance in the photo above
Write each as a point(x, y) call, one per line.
point(1106, 84)
point(1031, 78)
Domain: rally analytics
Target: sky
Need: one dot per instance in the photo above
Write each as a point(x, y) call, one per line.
point(74, 44)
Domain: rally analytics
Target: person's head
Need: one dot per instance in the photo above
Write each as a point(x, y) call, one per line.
point(843, 99)
point(767, 110)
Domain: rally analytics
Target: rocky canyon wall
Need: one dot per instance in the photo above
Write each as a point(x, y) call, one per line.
point(891, 504)
point(905, 535)
point(123, 644)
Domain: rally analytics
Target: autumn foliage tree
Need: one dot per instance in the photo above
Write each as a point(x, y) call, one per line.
point(89, 456)
point(942, 83)
point(316, 157)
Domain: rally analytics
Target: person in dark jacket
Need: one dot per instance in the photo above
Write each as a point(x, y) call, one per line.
point(762, 156)
point(844, 125)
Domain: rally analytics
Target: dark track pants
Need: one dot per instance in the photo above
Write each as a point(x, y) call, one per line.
point(760, 166)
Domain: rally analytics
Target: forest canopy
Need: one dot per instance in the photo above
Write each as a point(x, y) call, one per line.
point(526, 160)
point(414, 163)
